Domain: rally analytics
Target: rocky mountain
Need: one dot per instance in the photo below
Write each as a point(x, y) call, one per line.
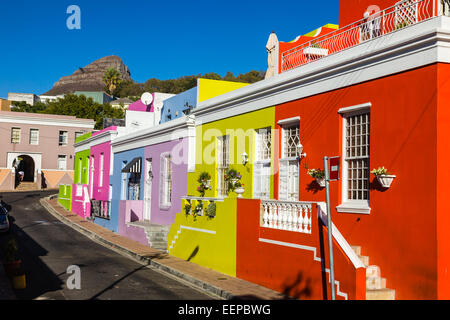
point(89, 78)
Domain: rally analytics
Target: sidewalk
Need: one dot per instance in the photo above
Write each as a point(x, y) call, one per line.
point(213, 282)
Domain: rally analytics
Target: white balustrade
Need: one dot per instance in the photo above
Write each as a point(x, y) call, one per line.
point(287, 215)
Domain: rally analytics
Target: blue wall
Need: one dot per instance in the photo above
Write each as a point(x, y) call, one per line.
point(177, 104)
point(116, 182)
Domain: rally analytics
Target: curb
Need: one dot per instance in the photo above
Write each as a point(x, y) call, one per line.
point(197, 283)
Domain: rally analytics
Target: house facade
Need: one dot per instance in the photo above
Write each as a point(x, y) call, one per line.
point(373, 101)
point(40, 146)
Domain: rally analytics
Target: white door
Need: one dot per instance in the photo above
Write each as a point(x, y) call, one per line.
point(148, 191)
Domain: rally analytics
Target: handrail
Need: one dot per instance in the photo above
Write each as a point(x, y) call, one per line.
point(401, 15)
point(350, 253)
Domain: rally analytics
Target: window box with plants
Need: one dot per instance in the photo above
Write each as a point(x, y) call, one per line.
point(204, 181)
point(319, 175)
point(384, 178)
point(233, 179)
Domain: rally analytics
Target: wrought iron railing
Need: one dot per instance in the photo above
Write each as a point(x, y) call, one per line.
point(100, 209)
point(404, 14)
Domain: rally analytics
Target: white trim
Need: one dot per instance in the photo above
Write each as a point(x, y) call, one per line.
point(168, 131)
point(416, 46)
point(360, 107)
point(316, 258)
point(289, 121)
point(46, 122)
point(198, 230)
point(96, 140)
point(353, 207)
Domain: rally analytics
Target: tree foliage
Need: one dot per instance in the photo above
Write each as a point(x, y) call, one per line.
point(112, 78)
point(175, 86)
point(74, 105)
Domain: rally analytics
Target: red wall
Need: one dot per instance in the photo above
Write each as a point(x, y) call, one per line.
point(295, 272)
point(443, 146)
point(400, 233)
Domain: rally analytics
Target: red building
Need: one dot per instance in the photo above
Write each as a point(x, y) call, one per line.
point(374, 93)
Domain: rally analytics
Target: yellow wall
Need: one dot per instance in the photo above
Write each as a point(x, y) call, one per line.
point(216, 251)
point(242, 133)
point(208, 89)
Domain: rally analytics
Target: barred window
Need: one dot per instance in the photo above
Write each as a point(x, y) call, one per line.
point(15, 135)
point(291, 140)
point(357, 156)
point(262, 165)
point(167, 180)
point(223, 163)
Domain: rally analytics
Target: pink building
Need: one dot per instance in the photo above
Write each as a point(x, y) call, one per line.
point(40, 146)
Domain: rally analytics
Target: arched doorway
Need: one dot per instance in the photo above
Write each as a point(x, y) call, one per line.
point(26, 164)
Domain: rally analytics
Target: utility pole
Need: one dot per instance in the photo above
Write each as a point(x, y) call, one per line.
point(330, 233)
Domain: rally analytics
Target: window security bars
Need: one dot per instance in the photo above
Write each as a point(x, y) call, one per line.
point(357, 152)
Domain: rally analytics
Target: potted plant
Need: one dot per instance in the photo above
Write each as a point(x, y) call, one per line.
point(198, 210)
point(319, 175)
point(11, 263)
point(239, 189)
point(232, 178)
point(384, 178)
point(187, 207)
point(205, 183)
point(211, 210)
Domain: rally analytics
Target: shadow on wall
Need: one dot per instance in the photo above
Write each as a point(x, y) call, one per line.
point(298, 289)
point(194, 253)
point(314, 187)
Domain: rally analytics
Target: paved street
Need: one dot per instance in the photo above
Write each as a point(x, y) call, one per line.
point(47, 247)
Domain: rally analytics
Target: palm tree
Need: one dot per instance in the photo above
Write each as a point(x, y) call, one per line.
point(111, 79)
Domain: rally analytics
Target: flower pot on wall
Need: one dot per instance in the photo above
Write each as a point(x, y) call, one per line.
point(321, 182)
point(385, 180)
point(239, 191)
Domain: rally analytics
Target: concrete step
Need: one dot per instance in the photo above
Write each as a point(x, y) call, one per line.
point(364, 260)
point(160, 245)
point(373, 271)
point(357, 249)
point(161, 236)
point(375, 283)
point(380, 294)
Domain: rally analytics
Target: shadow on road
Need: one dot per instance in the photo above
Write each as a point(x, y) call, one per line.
point(39, 278)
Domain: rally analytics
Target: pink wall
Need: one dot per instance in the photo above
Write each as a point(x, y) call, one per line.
point(77, 202)
point(100, 191)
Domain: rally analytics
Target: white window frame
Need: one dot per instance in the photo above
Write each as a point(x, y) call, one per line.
point(62, 156)
point(262, 167)
point(348, 205)
point(166, 181)
point(223, 164)
point(13, 141)
point(32, 130)
point(290, 163)
point(100, 176)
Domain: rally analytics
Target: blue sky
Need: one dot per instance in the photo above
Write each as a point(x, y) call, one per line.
point(156, 39)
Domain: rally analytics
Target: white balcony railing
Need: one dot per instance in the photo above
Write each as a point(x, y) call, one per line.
point(287, 215)
point(404, 14)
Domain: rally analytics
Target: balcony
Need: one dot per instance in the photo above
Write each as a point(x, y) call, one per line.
point(404, 14)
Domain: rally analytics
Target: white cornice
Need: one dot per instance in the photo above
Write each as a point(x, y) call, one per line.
point(169, 131)
point(75, 123)
point(412, 47)
point(95, 140)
